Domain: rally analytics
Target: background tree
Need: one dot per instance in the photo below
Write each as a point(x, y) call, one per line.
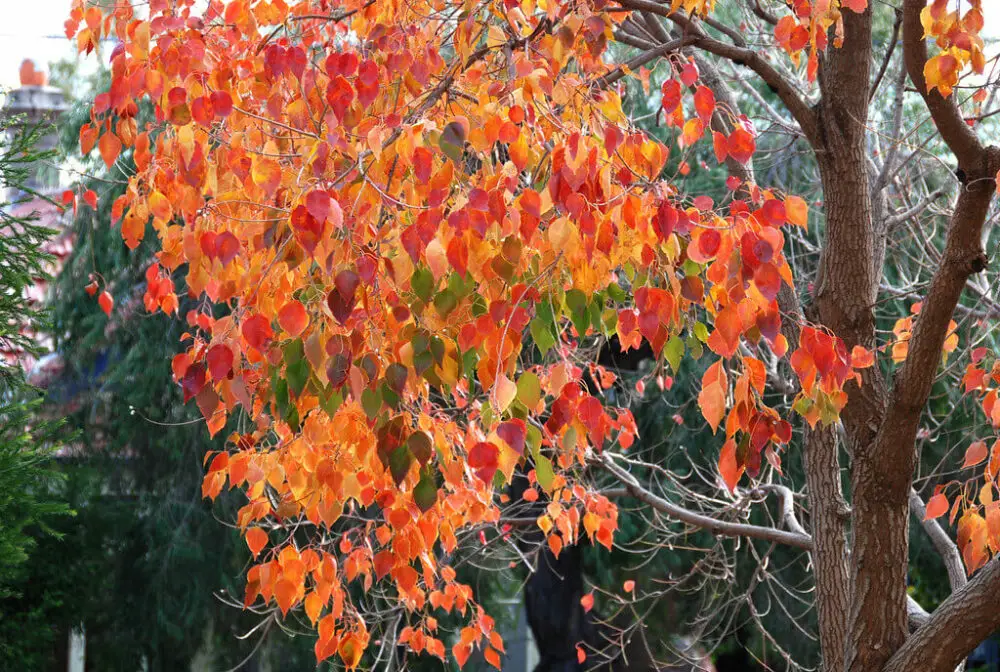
point(422, 215)
point(30, 496)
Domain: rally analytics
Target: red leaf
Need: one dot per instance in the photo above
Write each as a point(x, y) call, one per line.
point(227, 246)
point(193, 381)
point(90, 198)
point(689, 74)
point(318, 204)
point(704, 103)
point(741, 145)
point(483, 460)
point(220, 361)
point(222, 103)
point(257, 331)
point(106, 303)
point(768, 281)
point(513, 432)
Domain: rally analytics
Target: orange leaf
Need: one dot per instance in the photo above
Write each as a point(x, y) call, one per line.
point(110, 147)
point(284, 594)
point(267, 175)
point(729, 468)
point(504, 392)
point(629, 586)
point(256, 540)
point(862, 358)
point(293, 318)
point(492, 657)
point(975, 454)
point(461, 652)
point(351, 649)
point(587, 602)
point(937, 506)
point(313, 605)
point(712, 398)
point(581, 655)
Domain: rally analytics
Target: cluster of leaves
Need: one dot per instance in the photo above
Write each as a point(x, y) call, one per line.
point(957, 34)
point(418, 213)
point(809, 28)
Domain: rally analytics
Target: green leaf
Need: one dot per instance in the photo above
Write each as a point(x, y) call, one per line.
point(691, 268)
point(616, 292)
point(529, 389)
point(700, 332)
point(544, 473)
point(426, 492)
point(610, 319)
point(534, 441)
point(694, 347)
point(298, 375)
point(542, 335)
point(294, 351)
point(569, 440)
point(576, 300)
point(421, 446)
point(422, 283)
point(444, 302)
point(395, 377)
point(673, 351)
point(330, 402)
point(281, 397)
point(452, 141)
point(399, 463)
point(371, 402)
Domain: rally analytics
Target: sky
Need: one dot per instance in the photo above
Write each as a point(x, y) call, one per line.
point(34, 29)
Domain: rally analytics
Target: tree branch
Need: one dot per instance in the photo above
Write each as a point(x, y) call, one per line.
point(795, 104)
point(955, 628)
point(947, 117)
point(943, 544)
point(722, 527)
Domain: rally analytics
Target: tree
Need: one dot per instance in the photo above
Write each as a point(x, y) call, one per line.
point(425, 215)
point(29, 494)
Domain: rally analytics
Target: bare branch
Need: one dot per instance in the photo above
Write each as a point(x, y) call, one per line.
point(943, 544)
point(726, 528)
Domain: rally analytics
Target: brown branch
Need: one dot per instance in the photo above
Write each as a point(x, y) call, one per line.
point(640, 60)
point(796, 105)
point(695, 519)
point(955, 628)
point(947, 116)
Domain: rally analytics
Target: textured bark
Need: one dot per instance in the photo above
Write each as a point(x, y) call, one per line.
point(829, 557)
point(955, 628)
point(846, 290)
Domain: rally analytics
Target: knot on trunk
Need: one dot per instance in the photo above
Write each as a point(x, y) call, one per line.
point(978, 263)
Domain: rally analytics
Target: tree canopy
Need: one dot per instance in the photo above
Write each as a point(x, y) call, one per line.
point(420, 218)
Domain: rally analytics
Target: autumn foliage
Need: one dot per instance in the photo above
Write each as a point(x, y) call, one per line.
point(414, 213)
